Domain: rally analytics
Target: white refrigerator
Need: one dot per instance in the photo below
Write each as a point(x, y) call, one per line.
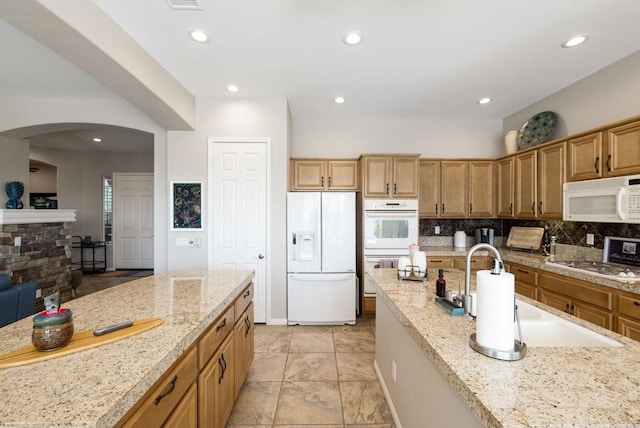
point(321, 258)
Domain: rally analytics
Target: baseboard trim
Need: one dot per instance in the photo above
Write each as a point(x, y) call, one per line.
point(394, 414)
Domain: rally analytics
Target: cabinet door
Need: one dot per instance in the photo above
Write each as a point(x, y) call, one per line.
point(629, 327)
point(343, 175)
point(376, 172)
point(439, 262)
point(584, 160)
point(558, 301)
point(216, 391)
point(592, 314)
point(454, 189)
point(308, 175)
point(429, 198)
point(505, 187)
point(243, 337)
point(623, 145)
point(551, 177)
point(405, 177)
point(482, 197)
point(185, 414)
point(527, 290)
point(526, 184)
point(477, 263)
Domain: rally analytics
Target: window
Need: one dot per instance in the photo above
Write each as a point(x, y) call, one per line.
point(107, 196)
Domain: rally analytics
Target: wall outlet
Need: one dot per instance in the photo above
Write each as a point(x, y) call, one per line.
point(17, 241)
point(436, 230)
point(394, 371)
point(38, 293)
point(590, 239)
point(197, 242)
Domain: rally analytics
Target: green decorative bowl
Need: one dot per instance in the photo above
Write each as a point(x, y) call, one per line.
point(52, 331)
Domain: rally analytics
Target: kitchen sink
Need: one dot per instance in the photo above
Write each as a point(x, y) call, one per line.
point(543, 329)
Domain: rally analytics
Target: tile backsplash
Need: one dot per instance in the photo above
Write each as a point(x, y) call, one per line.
point(567, 232)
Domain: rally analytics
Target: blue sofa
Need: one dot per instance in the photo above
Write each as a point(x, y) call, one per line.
point(15, 302)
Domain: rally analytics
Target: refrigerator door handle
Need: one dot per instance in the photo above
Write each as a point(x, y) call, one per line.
point(309, 278)
point(261, 256)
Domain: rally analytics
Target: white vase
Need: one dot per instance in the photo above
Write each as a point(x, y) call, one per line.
point(511, 142)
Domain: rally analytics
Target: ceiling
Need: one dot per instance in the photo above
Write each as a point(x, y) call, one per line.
point(418, 59)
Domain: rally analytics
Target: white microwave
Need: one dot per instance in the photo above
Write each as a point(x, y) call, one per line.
point(606, 200)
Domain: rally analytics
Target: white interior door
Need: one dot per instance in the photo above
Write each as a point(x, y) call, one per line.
point(238, 195)
point(133, 221)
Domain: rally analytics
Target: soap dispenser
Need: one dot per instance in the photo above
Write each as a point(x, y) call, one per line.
point(441, 284)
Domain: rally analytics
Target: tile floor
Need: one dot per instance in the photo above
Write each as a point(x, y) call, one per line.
point(92, 283)
point(320, 377)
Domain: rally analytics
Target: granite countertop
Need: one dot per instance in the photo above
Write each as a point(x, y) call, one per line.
point(96, 387)
point(537, 261)
point(549, 387)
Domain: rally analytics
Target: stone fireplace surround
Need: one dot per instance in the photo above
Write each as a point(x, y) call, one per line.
point(44, 254)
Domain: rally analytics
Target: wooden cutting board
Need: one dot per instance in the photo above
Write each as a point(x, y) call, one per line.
point(79, 342)
point(528, 238)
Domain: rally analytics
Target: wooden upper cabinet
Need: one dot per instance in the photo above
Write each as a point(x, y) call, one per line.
point(454, 188)
point(505, 186)
point(584, 157)
point(429, 198)
point(322, 174)
point(526, 184)
point(390, 176)
point(551, 177)
point(623, 150)
point(482, 188)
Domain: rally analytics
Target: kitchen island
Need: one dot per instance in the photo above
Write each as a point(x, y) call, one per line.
point(433, 378)
point(97, 387)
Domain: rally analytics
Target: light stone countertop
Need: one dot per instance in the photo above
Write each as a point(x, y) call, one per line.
point(537, 261)
point(549, 387)
point(96, 387)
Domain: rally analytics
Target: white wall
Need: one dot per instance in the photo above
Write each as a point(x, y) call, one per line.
point(45, 180)
point(187, 155)
point(14, 166)
point(333, 138)
point(109, 109)
point(606, 96)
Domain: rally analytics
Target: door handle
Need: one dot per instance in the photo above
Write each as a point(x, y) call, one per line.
point(261, 256)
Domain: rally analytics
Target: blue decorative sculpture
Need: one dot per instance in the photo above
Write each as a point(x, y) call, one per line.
point(15, 190)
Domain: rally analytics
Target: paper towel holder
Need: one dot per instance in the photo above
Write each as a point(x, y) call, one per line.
point(517, 353)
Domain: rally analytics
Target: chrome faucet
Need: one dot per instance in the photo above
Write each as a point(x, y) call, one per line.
point(495, 268)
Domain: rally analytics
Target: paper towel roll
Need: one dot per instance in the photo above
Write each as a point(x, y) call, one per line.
point(495, 310)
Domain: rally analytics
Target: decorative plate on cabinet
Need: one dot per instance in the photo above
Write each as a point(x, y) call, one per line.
point(537, 130)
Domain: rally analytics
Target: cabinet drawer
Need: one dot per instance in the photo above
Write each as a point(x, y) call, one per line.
point(527, 290)
point(629, 306)
point(578, 290)
point(525, 274)
point(477, 263)
point(243, 301)
point(157, 407)
point(214, 336)
point(439, 262)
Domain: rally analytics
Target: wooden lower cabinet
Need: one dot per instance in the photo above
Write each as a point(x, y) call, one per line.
point(185, 415)
point(586, 301)
point(629, 315)
point(244, 335)
point(526, 280)
point(201, 388)
point(216, 386)
point(439, 262)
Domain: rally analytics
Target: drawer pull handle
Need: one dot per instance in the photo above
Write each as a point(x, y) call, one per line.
point(523, 271)
point(172, 386)
point(247, 322)
point(436, 208)
point(567, 309)
point(246, 294)
point(596, 165)
point(609, 163)
point(223, 365)
point(636, 303)
point(221, 325)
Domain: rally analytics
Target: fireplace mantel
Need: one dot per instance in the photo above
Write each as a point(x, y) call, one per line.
point(36, 216)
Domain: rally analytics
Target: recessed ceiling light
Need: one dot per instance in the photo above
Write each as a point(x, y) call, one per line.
point(232, 88)
point(97, 140)
point(485, 100)
point(339, 100)
point(575, 41)
point(352, 39)
point(199, 35)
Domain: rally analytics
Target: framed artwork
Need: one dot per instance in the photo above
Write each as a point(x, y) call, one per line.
point(186, 205)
